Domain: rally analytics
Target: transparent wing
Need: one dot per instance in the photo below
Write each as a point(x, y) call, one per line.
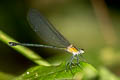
point(45, 30)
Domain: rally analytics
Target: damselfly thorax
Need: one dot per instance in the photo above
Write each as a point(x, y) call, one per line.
point(72, 49)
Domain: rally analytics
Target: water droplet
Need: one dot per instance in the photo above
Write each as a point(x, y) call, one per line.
point(28, 72)
point(36, 74)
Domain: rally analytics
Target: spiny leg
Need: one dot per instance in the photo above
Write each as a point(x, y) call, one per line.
point(83, 59)
point(78, 62)
point(69, 63)
point(77, 59)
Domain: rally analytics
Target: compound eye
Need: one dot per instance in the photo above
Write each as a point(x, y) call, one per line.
point(82, 49)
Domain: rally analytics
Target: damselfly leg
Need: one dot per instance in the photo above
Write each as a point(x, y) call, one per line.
point(69, 63)
point(75, 60)
point(82, 58)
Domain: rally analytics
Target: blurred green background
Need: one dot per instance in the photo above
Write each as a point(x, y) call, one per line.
point(89, 24)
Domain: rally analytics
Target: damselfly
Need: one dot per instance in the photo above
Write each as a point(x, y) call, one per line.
point(49, 34)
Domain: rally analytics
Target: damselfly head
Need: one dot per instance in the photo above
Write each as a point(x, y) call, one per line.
point(81, 51)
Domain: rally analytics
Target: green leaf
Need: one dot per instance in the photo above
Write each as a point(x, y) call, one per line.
point(58, 72)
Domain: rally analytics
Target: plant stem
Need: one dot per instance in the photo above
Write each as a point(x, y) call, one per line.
point(23, 50)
